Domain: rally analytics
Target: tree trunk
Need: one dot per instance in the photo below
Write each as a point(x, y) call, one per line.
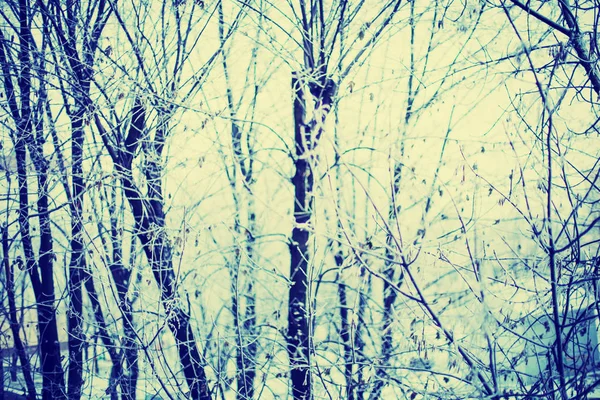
point(14, 323)
point(389, 294)
point(122, 278)
point(43, 286)
point(158, 249)
point(298, 334)
point(149, 220)
point(77, 264)
point(246, 358)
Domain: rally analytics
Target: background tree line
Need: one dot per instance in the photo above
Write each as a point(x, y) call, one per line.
point(299, 199)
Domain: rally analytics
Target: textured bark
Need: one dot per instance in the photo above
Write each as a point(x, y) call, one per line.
point(307, 131)
point(77, 264)
point(247, 354)
point(129, 381)
point(576, 36)
point(359, 344)
point(298, 334)
point(244, 319)
point(46, 259)
point(49, 344)
point(43, 286)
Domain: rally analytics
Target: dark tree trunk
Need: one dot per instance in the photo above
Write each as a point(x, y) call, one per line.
point(159, 253)
point(345, 329)
point(81, 69)
point(298, 334)
point(13, 321)
point(43, 286)
point(159, 250)
point(307, 132)
point(53, 387)
point(77, 264)
point(51, 342)
point(129, 381)
point(115, 357)
point(148, 215)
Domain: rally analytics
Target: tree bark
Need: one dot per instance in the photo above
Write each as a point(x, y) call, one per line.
point(307, 132)
point(77, 264)
point(298, 334)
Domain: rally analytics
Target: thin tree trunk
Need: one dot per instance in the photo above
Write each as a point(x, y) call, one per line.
point(250, 347)
point(389, 294)
point(14, 323)
point(115, 357)
point(159, 253)
point(244, 320)
point(81, 69)
point(122, 278)
point(53, 387)
point(359, 343)
point(77, 264)
point(345, 330)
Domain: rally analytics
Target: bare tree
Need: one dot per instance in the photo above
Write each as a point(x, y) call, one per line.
point(243, 292)
point(66, 25)
point(158, 87)
point(440, 228)
point(313, 94)
point(18, 63)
